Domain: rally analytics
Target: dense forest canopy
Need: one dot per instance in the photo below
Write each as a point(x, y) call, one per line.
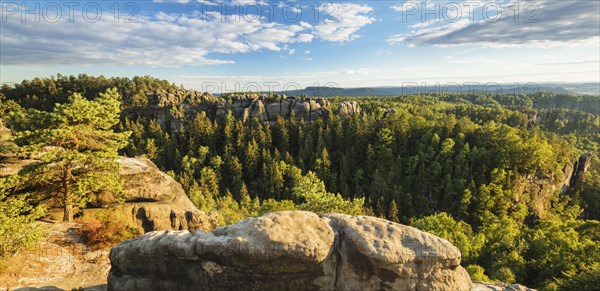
point(506, 178)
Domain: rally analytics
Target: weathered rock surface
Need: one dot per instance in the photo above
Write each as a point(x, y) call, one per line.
point(252, 106)
point(153, 201)
point(483, 286)
point(349, 108)
point(290, 250)
point(59, 261)
point(539, 189)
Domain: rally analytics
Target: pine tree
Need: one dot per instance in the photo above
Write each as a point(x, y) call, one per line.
point(393, 211)
point(77, 149)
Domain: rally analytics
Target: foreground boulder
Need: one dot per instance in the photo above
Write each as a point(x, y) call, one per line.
point(290, 250)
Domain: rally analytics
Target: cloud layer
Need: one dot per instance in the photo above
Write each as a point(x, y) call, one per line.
point(552, 23)
point(343, 20)
point(165, 39)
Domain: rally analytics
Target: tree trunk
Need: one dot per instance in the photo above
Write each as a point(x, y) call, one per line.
point(68, 208)
point(68, 216)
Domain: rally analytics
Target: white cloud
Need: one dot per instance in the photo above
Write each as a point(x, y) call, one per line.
point(584, 62)
point(163, 40)
point(307, 59)
point(558, 23)
point(306, 52)
point(343, 20)
point(361, 71)
point(167, 39)
point(397, 38)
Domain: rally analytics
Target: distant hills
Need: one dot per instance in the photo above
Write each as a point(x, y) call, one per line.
point(564, 88)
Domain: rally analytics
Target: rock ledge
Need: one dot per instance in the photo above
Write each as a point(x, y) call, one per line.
point(290, 250)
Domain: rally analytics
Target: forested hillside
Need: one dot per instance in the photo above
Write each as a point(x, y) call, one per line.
point(512, 180)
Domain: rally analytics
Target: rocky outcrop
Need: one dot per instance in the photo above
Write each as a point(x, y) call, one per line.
point(349, 108)
point(484, 286)
point(580, 168)
point(252, 106)
point(540, 189)
point(152, 201)
point(162, 98)
point(60, 260)
point(172, 109)
point(290, 250)
point(4, 132)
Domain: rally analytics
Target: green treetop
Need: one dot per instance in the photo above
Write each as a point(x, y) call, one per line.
point(76, 147)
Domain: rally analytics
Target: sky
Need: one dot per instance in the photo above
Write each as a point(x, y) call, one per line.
point(232, 45)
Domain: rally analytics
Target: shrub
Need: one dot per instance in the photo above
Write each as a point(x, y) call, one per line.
point(476, 273)
point(504, 274)
point(103, 232)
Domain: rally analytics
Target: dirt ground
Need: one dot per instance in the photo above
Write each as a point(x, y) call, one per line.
point(61, 261)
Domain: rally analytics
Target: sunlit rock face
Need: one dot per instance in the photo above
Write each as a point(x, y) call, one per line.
point(152, 200)
point(290, 250)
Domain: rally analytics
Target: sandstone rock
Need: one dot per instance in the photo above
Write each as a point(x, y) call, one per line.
point(286, 107)
point(10, 164)
point(376, 253)
point(153, 201)
point(301, 109)
point(348, 108)
point(581, 167)
point(251, 106)
point(144, 181)
point(257, 110)
point(324, 103)
point(273, 110)
point(290, 250)
point(207, 97)
point(539, 189)
point(484, 286)
point(5, 133)
point(314, 105)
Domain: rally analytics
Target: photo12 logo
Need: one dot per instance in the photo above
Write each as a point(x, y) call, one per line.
point(452, 12)
point(288, 88)
point(72, 11)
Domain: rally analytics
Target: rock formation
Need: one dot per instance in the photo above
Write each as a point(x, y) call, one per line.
point(152, 201)
point(348, 108)
point(252, 106)
point(484, 286)
point(4, 133)
point(290, 250)
point(540, 188)
point(172, 109)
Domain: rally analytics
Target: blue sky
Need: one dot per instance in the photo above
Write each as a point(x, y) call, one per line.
point(227, 45)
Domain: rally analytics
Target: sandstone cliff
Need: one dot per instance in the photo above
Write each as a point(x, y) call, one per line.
point(290, 250)
point(171, 110)
point(152, 201)
point(540, 189)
